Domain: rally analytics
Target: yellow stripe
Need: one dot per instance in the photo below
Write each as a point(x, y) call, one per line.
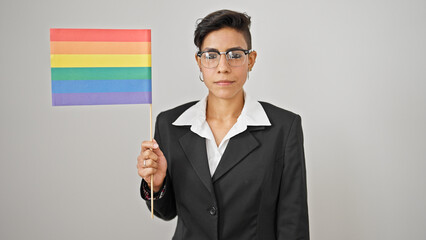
point(100, 60)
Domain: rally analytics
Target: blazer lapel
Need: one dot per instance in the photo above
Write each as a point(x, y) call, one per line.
point(194, 147)
point(238, 147)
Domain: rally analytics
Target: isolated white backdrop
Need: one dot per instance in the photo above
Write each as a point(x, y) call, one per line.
point(354, 70)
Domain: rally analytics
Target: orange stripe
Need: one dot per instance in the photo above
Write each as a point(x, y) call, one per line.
point(62, 47)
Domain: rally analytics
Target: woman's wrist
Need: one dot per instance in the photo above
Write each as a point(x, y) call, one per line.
point(156, 188)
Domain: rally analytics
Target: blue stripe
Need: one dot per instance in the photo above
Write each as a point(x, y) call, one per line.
point(96, 86)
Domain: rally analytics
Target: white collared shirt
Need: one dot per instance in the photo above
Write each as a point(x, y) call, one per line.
point(252, 114)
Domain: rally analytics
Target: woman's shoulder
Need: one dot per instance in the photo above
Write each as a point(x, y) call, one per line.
point(278, 115)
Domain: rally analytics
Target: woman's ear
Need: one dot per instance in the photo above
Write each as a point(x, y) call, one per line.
point(251, 59)
point(198, 60)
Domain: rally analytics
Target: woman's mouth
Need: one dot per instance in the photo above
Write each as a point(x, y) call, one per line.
point(224, 82)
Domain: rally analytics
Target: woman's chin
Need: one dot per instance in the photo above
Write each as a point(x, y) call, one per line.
point(225, 93)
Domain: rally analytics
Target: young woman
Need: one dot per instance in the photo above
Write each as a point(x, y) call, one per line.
point(228, 166)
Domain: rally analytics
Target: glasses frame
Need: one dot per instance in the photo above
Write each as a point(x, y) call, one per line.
point(246, 52)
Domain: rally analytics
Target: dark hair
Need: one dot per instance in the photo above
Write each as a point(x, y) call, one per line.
point(221, 19)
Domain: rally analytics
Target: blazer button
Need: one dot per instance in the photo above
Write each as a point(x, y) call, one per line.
point(212, 211)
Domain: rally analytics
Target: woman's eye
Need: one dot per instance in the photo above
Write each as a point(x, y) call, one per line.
point(211, 55)
point(234, 55)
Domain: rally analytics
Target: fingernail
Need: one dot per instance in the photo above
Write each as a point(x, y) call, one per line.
point(155, 145)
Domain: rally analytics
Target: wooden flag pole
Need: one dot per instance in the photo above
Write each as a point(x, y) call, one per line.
point(152, 176)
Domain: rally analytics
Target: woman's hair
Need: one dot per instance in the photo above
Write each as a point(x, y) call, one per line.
point(222, 19)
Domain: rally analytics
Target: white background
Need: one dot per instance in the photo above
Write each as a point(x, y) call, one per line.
point(354, 70)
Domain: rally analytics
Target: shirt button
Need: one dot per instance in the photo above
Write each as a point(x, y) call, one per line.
point(212, 211)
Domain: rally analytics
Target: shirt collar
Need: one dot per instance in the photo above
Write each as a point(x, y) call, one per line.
point(252, 114)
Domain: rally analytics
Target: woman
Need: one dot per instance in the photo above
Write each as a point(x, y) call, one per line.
point(229, 167)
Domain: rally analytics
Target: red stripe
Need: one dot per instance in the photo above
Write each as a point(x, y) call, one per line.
point(100, 35)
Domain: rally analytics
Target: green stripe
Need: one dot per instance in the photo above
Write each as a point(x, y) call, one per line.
point(111, 73)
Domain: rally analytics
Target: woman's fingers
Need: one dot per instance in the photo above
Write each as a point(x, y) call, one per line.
point(149, 145)
point(148, 154)
point(152, 163)
point(147, 163)
point(145, 172)
point(157, 149)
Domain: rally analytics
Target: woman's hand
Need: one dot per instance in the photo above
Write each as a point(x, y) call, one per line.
point(151, 161)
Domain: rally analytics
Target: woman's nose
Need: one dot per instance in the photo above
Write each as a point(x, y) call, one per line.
point(223, 65)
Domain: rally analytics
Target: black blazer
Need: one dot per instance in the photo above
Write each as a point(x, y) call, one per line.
point(258, 190)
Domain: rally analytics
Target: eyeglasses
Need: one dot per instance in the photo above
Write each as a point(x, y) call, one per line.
point(235, 57)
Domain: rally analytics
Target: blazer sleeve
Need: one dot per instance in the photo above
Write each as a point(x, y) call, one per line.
point(292, 219)
point(164, 207)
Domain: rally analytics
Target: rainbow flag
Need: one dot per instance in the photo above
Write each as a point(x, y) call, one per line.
point(100, 66)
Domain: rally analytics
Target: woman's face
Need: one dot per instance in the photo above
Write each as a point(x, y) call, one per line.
point(225, 81)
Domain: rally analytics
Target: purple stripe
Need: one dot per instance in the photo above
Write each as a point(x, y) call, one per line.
point(65, 99)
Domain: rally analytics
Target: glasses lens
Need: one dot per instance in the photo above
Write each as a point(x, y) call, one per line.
point(210, 59)
point(236, 58)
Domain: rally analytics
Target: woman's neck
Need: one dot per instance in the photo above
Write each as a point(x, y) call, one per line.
point(224, 109)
